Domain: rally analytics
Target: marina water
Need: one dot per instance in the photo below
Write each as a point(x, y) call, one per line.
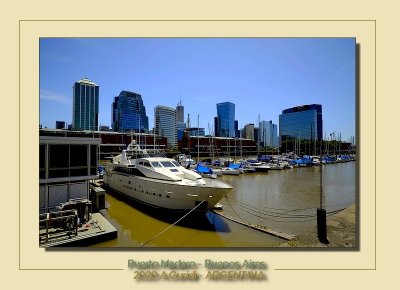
point(281, 200)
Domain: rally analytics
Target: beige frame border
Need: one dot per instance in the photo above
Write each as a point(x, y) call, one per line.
point(158, 20)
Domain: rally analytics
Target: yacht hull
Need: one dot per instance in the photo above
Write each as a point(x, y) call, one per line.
point(168, 194)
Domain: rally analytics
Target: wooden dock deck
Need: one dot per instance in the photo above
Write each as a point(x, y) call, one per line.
point(96, 230)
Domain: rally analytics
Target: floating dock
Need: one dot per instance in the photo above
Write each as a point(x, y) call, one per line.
point(96, 230)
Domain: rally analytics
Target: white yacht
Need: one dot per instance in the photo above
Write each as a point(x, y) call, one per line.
point(161, 182)
point(230, 171)
point(258, 166)
point(276, 166)
point(249, 169)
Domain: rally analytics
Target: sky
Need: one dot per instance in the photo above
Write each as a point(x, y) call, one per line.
point(261, 76)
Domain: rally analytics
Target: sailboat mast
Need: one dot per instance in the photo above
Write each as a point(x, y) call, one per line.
point(154, 139)
point(258, 136)
point(198, 138)
point(139, 130)
point(240, 136)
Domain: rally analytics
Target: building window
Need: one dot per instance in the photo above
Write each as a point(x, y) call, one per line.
point(78, 155)
point(42, 161)
point(68, 160)
point(54, 173)
point(59, 155)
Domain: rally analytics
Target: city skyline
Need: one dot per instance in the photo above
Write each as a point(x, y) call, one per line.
point(261, 76)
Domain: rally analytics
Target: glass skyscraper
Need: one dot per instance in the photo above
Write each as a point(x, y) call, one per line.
point(180, 127)
point(237, 129)
point(165, 124)
point(302, 122)
point(268, 133)
point(114, 115)
point(128, 113)
point(180, 118)
point(225, 120)
point(85, 115)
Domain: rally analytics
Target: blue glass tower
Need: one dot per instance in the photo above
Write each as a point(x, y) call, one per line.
point(225, 119)
point(302, 122)
point(180, 128)
point(128, 113)
point(268, 134)
point(85, 115)
point(114, 115)
point(237, 129)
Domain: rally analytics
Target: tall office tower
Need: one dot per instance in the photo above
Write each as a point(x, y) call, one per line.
point(249, 131)
point(275, 139)
point(268, 134)
point(165, 124)
point(180, 112)
point(256, 135)
point(237, 129)
point(216, 127)
point(302, 122)
point(114, 114)
point(226, 119)
point(85, 115)
point(129, 113)
point(180, 127)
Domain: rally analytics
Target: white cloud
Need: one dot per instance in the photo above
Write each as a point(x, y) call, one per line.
point(46, 95)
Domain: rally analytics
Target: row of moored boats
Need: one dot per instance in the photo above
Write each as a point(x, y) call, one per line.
point(263, 163)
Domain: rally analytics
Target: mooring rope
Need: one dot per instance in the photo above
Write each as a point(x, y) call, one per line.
point(276, 216)
point(226, 198)
point(159, 234)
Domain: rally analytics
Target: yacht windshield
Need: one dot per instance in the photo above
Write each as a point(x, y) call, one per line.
point(155, 164)
point(167, 164)
point(176, 163)
point(145, 163)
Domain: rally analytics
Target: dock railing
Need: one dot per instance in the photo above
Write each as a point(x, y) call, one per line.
point(66, 221)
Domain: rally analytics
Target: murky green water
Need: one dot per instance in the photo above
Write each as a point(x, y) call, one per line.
point(287, 200)
point(283, 200)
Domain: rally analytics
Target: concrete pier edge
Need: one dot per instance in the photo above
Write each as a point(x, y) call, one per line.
point(341, 232)
point(341, 229)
